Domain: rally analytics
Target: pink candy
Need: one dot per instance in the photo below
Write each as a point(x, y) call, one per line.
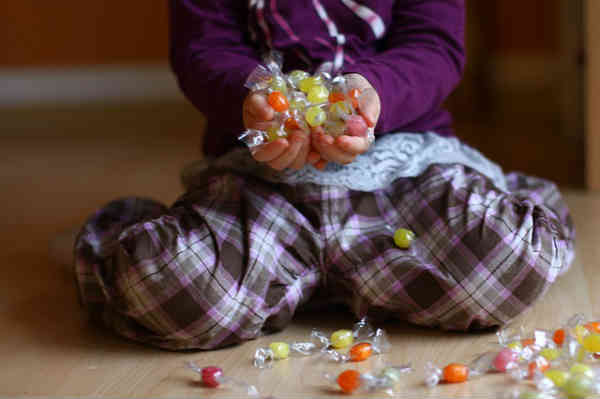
point(210, 376)
point(504, 358)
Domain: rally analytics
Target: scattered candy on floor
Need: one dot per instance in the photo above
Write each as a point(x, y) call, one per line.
point(561, 363)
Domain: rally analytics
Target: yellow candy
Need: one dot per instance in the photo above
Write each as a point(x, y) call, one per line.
point(515, 346)
point(275, 132)
point(341, 339)
point(315, 116)
point(578, 386)
point(591, 343)
point(558, 377)
point(403, 238)
point(297, 76)
point(550, 353)
point(340, 109)
point(297, 103)
point(306, 84)
point(281, 350)
point(335, 128)
point(278, 84)
point(318, 94)
point(580, 368)
point(580, 333)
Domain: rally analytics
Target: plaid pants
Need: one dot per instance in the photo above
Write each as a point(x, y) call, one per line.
point(236, 256)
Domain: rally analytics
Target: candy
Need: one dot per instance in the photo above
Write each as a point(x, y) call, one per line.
point(213, 377)
point(318, 94)
point(291, 124)
point(278, 84)
point(308, 83)
point(558, 377)
point(580, 333)
point(281, 350)
point(349, 381)
point(455, 372)
point(505, 359)
point(550, 353)
point(527, 342)
point(515, 346)
point(315, 116)
point(352, 381)
point(583, 369)
point(278, 101)
point(312, 101)
point(341, 339)
point(591, 343)
point(578, 386)
point(336, 96)
point(559, 337)
point(593, 326)
point(403, 238)
point(296, 76)
point(361, 351)
point(539, 364)
point(275, 132)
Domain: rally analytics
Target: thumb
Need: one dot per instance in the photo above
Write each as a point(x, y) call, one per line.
point(369, 106)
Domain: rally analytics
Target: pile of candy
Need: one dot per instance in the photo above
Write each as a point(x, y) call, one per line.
point(302, 101)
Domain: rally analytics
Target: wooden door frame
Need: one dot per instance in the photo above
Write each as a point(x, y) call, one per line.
point(592, 94)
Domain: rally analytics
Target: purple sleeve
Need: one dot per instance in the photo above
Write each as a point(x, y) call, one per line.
point(422, 61)
point(212, 58)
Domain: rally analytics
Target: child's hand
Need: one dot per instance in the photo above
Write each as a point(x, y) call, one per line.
point(344, 149)
point(291, 152)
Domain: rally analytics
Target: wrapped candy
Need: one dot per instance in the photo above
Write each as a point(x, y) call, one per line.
point(352, 381)
point(302, 101)
point(213, 377)
point(369, 342)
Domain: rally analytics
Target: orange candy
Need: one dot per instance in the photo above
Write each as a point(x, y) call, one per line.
point(527, 342)
point(291, 124)
point(593, 326)
point(336, 96)
point(360, 352)
point(354, 94)
point(278, 101)
point(541, 364)
point(349, 381)
point(456, 372)
point(559, 337)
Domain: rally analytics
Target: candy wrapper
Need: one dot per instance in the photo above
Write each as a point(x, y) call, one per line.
point(352, 381)
point(213, 377)
point(302, 101)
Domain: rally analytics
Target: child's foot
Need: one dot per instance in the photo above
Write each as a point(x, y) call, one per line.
point(61, 248)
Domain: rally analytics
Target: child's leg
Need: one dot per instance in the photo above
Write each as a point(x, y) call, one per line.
point(226, 262)
point(481, 256)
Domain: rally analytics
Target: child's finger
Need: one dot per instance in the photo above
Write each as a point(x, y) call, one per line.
point(321, 164)
point(302, 156)
point(270, 151)
point(331, 152)
point(313, 157)
point(257, 105)
point(289, 155)
point(352, 145)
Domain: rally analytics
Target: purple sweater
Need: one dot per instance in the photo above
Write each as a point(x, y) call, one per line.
point(411, 51)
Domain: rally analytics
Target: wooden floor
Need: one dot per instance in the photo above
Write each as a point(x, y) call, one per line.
point(57, 166)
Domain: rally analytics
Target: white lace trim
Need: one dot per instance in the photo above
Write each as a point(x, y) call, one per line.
point(392, 156)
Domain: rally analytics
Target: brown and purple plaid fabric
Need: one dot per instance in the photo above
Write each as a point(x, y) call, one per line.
point(238, 256)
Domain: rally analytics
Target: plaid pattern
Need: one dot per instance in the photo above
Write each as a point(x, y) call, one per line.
point(237, 256)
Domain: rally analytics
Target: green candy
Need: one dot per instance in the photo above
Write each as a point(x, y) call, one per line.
point(550, 353)
point(582, 369)
point(318, 94)
point(315, 116)
point(591, 343)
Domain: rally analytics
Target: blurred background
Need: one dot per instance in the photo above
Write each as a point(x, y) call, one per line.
point(73, 71)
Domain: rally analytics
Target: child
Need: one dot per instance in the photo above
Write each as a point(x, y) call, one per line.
point(258, 233)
